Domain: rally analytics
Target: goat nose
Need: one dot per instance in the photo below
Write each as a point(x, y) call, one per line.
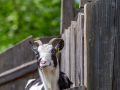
point(43, 62)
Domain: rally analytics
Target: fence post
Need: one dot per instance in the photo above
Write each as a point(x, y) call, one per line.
point(67, 14)
point(99, 45)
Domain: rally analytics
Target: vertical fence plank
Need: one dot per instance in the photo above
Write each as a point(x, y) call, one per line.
point(72, 51)
point(67, 60)
point(69, 29)
point(99, 45)
point(85, 48)
point(80, 49)
point(83, 2)
point(116, 63)
point(63, 55)
point(67, 14)
point(78, 52)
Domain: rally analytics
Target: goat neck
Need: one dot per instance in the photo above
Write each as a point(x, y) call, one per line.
point(50, 78)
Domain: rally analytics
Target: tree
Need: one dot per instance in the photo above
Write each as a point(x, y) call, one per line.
point(21, 18)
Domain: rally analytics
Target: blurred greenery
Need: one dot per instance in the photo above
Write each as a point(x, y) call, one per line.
point(76, 4)
point(22, 18)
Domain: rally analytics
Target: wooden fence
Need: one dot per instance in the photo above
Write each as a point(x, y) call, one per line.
point(91, 54)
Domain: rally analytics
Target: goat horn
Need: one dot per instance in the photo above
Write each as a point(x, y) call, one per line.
point(54, 40)
point(38, 42)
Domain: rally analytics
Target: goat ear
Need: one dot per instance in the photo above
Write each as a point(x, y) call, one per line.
point(33, 47)
point(60, 45)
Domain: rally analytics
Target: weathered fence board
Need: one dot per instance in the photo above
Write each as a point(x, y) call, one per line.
point(99, 40)
point(18, 71)
point(72, 54)
point(67, 60)
point(16, 55)
point(19, 83)
point(116, 63)
point(80, 50)
point(72, 50)
point(63, 55)
point(83, 2)
point(100, 44)
point(77, 11)
point(67, 14)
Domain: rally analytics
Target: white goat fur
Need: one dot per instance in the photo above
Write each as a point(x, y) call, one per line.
point(49, 74)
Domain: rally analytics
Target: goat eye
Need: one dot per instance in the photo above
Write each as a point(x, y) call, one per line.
point(53, 53)
point(36, 55)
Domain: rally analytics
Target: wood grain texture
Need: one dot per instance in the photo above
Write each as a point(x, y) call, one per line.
point(17, 55)
point(77, 11)
point(85, 48)
point(83, 2)
point(77, 55)
point(18, 71)
point(80, 50)
point(72, 50)
point(10, 59)
point(19, 83)
point(67, 59)
point(63, 55)
point(67, 14)
point(77, 88)
point(116, 63)
point(99, 43)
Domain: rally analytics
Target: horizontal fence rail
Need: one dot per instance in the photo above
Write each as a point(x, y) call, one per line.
point(18, 71)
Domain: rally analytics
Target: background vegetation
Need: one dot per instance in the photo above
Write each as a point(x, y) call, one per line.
point(22, 18)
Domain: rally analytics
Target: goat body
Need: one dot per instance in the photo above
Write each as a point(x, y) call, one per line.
point(62, 83)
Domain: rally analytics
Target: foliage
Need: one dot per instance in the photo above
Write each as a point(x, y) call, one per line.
point(21, 18)
point(76, 4)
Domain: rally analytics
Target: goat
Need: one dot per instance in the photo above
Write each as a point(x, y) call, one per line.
point(51, 78)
